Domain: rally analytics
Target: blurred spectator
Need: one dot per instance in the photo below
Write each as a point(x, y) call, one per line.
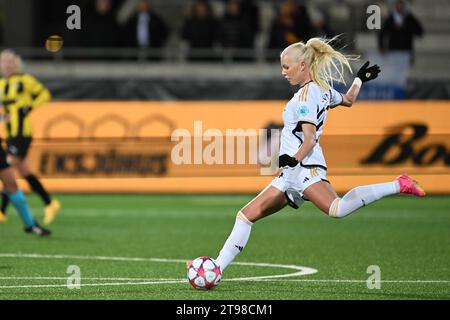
point(320, 27)
point(250, 12)
point(1, 27)
point(100, 28)
point(292, 24)
point(235, 31)
point(399, 29)
point(146, 29)
point(200, 29)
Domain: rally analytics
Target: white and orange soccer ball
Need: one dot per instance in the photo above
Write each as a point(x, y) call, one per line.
point(204, 273)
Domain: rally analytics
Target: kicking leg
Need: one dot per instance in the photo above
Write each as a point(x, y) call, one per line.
point(326, 199)
point(269, 201)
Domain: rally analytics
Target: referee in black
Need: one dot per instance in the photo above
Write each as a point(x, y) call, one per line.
point(20, 94)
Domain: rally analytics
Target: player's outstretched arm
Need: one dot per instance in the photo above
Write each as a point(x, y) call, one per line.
point(365, 74)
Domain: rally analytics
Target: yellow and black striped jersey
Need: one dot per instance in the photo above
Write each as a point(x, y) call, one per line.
point(19, 94)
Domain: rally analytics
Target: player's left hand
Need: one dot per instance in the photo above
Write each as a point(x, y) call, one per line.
point(291, 169)
point(286, 160)
point(366, 73)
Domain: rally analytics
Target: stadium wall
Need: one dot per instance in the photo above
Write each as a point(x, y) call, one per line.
point(134, 146)
point(267, 85)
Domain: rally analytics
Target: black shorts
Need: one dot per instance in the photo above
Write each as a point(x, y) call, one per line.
point(3, 162)
point(19, 146)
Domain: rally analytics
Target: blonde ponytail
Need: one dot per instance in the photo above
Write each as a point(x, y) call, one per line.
point(326, 65)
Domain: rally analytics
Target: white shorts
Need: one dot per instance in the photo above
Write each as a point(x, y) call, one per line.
point(298, 178)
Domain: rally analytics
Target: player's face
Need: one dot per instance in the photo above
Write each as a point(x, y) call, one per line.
point(8, 64)
point(292, 69)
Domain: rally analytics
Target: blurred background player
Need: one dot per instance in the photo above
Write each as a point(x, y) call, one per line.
point(21, 93)
point(17, 198)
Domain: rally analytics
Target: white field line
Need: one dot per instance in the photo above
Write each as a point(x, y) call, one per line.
point(355, 281)
point(238, 279)
point(177, 281)
point(299, 270)
point(231, 279)
point(87, 278)
point(170, 280)
point(93, 284)
point(148, 281)
point(59, 256)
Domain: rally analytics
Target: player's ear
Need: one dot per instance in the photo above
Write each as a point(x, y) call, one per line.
point(302, 65)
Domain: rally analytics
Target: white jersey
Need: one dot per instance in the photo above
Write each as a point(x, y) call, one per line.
point(309, 104)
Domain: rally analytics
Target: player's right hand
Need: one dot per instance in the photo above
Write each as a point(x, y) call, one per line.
point(366, 73)
point(26, 110)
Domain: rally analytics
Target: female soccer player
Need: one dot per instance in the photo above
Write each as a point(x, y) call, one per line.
point(20, 94)
point(17, 198)
point(303, 175)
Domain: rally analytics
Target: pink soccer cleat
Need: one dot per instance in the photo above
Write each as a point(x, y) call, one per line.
point(410, 186)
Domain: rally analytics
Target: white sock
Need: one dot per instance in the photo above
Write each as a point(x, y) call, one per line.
point(361, 196)
point(236, 241)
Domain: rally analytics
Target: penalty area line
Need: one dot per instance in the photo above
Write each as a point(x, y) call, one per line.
point(352, 281)
point(91, 284)
point(89, 278)
point(184, 281)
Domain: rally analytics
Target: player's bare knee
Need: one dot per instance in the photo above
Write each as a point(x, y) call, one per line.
point(12, 161)
point(10, 186)
point(333, 210)
point(253, 214)
point(8, 180)
point(24, 172)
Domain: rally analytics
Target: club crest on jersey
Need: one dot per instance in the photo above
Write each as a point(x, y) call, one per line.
point(302, 111)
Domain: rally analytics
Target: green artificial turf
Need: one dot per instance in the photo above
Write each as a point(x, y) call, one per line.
point(115, 239)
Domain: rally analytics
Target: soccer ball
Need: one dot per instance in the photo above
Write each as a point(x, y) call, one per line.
point(204, 273)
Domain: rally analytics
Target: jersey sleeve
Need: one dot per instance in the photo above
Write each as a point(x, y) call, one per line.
point(38, 91)
point(306, 107)
point(33, 86)
point(335, 98)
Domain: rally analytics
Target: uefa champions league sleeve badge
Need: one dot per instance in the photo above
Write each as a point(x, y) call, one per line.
point(302, 111)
